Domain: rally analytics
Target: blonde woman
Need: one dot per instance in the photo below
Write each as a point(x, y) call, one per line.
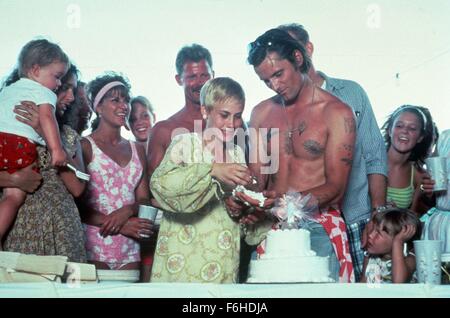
point(199, 239)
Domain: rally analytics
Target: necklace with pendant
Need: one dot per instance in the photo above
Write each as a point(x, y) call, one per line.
point(289, 134)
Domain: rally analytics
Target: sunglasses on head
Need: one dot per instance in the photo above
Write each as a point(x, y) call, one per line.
point(269, 39)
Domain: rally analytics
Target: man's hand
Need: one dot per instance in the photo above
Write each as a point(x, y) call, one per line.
point(365, 235)
point(26, 179)
point(258, 213)
point(256, 216)
point(234, 207)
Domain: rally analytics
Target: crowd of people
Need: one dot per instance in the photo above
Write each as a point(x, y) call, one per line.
point(371, 186)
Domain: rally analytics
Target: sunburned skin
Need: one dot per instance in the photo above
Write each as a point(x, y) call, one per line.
point(313, 147)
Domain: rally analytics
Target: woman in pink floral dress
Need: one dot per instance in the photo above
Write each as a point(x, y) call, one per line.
point(118, 181)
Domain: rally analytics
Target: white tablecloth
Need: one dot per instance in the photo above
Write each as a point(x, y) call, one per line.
point(177, 290)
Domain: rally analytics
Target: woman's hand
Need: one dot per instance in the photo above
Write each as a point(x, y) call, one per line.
point(138, 228)
point(26, 179)
point(427, 185)
point(232, 174)
point(268, 202)
point(114, 222)
point(28, 113)
point(258, 213)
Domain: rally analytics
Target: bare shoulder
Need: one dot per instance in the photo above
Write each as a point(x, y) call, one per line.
point(337, 112)
point(139, 148)
point(86, 149)
point(335, 107)
point(162, 126)
point(85, 143)
point(262, 110)
point(161, 132)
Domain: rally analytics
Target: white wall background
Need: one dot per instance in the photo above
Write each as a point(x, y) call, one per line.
point(371, 42)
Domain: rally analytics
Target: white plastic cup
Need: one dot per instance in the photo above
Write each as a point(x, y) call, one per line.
point(147, 212)
point(159, 217)
point(428, 261)
point(437, 167)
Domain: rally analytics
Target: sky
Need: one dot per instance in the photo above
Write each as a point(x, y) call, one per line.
point(398, 50)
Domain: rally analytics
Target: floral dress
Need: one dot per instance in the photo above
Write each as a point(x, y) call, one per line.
point(197, 241)
point(379, 271)
point(48, 223)
point(110, 188)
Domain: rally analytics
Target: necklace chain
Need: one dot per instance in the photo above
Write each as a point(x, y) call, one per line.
point(302, 126)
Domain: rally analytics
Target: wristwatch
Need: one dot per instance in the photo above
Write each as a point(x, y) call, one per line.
point(380, 208)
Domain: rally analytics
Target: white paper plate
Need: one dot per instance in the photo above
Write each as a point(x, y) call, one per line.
point(130, 276)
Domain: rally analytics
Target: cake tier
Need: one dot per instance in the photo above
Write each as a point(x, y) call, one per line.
point(290, 270)
point(288, 243)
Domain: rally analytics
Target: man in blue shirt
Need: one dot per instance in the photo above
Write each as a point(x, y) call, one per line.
point(366, 189)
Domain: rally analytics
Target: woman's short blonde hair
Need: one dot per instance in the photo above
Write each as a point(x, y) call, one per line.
point(220, 90)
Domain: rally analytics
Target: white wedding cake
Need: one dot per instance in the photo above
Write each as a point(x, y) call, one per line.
point(288, 258)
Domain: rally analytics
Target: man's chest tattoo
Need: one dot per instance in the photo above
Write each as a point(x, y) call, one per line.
point(313, 147)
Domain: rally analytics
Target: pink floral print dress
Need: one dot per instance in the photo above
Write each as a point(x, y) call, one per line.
point(110, 188)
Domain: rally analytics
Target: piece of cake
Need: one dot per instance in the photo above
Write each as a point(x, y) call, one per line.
point(254, 195)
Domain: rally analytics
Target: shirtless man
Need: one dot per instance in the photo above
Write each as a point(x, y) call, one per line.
point(366, 189)
point(314, 134)
point(194, 69)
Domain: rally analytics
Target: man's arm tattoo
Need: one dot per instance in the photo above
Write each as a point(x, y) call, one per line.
point(350, 127)
point(347, 161)
point(348, 148)
point(349, 155)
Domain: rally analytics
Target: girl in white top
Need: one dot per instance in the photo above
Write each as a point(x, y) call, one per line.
point(386, 261)
point(41, 65)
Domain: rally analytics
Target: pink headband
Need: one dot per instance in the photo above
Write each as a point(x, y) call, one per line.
point(104, 90)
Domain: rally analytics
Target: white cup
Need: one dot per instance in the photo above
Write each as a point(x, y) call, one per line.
point(437, 167)
point(147, 212)
point(428, 261)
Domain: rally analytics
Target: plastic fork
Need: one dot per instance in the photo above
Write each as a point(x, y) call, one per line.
point(78, 173)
